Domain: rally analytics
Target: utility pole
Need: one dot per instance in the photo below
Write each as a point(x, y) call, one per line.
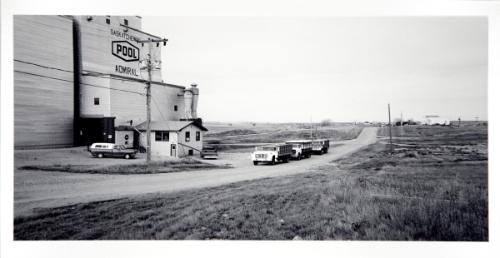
point(148, 109)
point(310, 120)
point(149, 67)
point(390, 126)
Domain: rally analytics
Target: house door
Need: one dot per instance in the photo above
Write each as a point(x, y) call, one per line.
point(173, 150)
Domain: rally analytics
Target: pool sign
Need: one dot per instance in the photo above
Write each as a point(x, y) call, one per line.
point(125, 51)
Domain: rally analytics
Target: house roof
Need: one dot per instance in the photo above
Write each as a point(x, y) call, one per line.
point(169, 125)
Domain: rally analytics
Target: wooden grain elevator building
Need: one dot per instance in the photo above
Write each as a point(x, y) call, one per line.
point(78, 80)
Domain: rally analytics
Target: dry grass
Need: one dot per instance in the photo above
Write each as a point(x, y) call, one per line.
point(439, 135)
point(136, 168)
point(245, 139)
point(371, 195)
point(232, 132)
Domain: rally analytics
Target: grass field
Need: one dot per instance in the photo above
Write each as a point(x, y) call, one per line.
point(237, 136)
point(154, 167)
point(425, 190)
point(247, 136)
point(248, 127)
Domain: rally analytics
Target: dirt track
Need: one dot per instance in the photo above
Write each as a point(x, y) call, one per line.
point(38, 189)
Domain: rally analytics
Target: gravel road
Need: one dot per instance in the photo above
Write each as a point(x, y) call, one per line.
point(41, 189)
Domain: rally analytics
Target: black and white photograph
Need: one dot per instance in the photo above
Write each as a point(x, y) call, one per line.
point(332, 129)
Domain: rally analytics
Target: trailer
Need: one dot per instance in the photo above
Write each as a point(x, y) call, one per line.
point(272, 153)
point(301, 148)
point(320, 146)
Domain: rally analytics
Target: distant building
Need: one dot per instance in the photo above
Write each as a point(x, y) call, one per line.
point(78, 80)
point(435, 120)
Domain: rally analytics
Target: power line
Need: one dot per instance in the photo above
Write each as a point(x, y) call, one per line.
point(98, 86)
point(85, 84)
point(91, 73)
point(159, 110)
point(108, 76)
point(97, 74)
point(44, 66)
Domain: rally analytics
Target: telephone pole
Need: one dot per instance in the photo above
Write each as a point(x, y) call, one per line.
point(390, 126)
point(149, 67)
point(311, 123)
point(148, 107)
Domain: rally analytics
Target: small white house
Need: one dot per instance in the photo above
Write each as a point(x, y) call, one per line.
point(173, 138)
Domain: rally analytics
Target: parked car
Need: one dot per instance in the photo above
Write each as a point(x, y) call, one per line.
point(209, 153)
point(272, 153)
point(301, 148)
point(320, 146)
point(101, 150)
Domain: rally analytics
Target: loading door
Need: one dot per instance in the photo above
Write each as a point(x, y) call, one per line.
point(93, 130)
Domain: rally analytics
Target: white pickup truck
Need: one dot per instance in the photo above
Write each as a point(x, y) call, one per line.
point(272, 153)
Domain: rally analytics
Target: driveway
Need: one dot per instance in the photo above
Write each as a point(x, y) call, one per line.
point(41, 189)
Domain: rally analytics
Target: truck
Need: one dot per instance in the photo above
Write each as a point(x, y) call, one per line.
point(272, 153)
point(320, 146)
point(209, 153)
point(301, 148)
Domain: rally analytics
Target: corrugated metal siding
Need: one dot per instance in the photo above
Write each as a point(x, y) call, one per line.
point(95, 87)
point(164, 100)
point(126, 106)
point(121, 98)
point(96, 46)
point(43, 96)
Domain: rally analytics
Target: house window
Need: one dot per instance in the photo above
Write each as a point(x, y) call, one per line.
point(198, 136)
point(161, 136)
point(96, 101)
point(190, 152)
point(175, 108)
point(188, 136)
point(125, 21)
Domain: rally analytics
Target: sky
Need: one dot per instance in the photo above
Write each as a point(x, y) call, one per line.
point(298, 69)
